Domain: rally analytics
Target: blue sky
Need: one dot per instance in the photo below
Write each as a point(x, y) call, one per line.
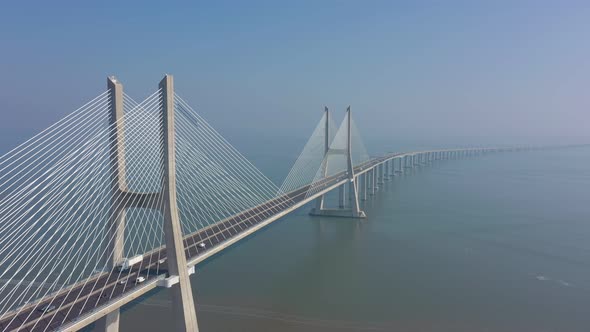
point(437, 69)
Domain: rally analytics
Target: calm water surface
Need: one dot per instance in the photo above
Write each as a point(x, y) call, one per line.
point(493, 243)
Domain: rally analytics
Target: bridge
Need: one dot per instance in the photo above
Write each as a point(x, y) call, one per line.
point(120, 197)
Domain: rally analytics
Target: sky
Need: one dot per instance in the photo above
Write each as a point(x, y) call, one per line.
point(477, 71)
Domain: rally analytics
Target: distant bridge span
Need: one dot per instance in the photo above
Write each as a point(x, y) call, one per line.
point(96, 296)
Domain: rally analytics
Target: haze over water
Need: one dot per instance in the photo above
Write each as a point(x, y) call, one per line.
point(495, 243)
point(492, 243)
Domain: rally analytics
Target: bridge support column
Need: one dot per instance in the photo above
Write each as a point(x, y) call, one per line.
point(182, 299)
point(364, 186)
point(319, 202)
point(374, 180)
point(392, 169)
point(353, 196)
point(116, 222)
point(380, 174)
point(341, 194)
point(183, 305)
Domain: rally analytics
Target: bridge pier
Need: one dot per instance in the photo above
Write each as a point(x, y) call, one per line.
point(374, 180)
point(341, 195)
point(380, 172)
point(364, 186)
point(392, 169)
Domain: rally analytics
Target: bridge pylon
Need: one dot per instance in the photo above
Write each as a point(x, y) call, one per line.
point(183, 305)
point(353, 209)
point(319, 202)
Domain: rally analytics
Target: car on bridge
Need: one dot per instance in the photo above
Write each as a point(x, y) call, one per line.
point(139, 280)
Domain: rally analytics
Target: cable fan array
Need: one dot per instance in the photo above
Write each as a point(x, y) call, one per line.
point(56, 196)
point(335, 162)
point(310, 159)
point(214, 181)
point(314, 165)
point(70, 213)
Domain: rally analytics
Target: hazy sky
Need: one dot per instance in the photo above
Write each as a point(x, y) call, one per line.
point(438, 69)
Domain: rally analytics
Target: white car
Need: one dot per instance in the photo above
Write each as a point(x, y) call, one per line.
point(139, 280)
point(202, 245)
point(123, 282)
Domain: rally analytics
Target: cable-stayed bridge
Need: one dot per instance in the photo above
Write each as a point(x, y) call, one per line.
point(121, 197)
